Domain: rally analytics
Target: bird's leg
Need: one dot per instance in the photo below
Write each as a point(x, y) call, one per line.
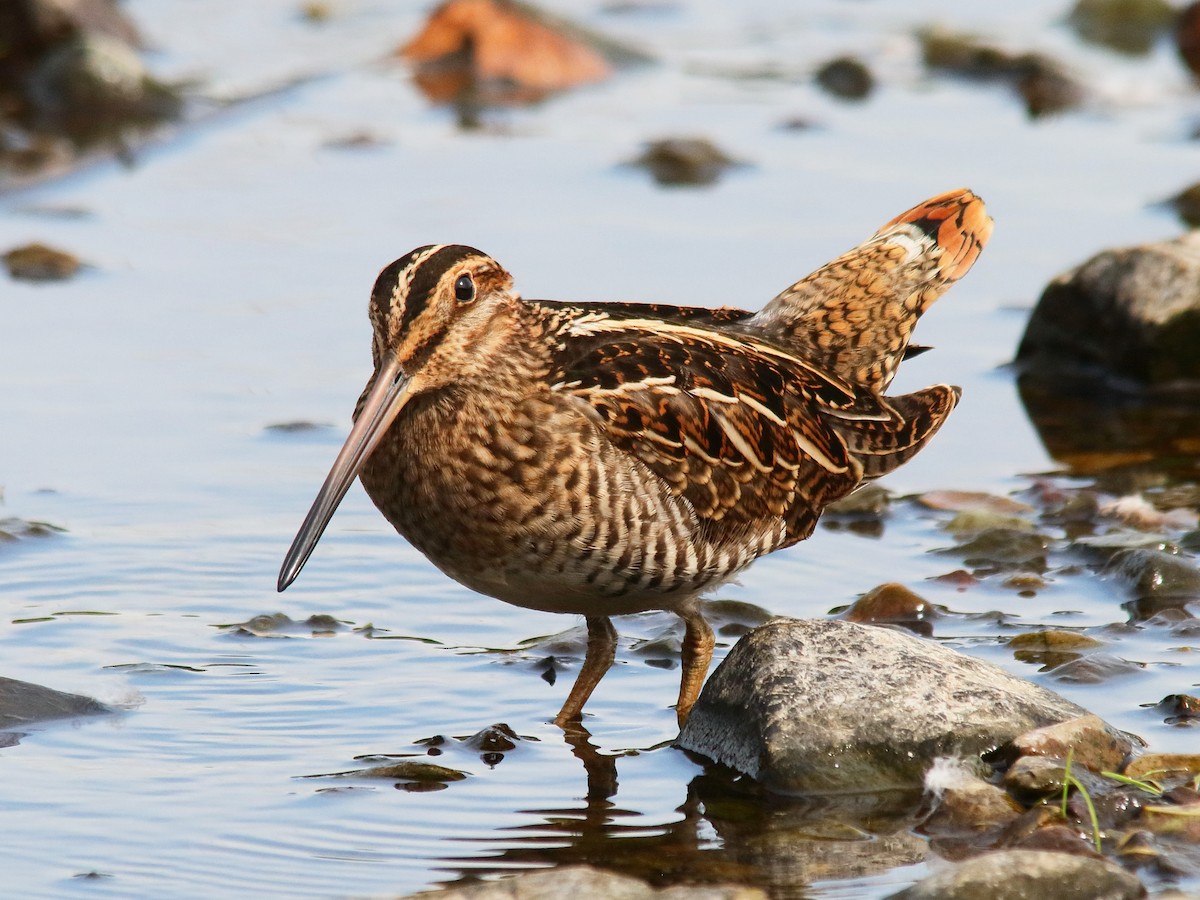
point(697, 654)
point(601, 651)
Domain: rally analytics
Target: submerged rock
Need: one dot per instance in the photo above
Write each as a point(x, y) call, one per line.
point(14, 529)
point(1178, 708)
point(673, 162)
point(22, 703)
point(1156, 573)
point(38, 262)
point(586, 882)
point(1132, 312)
point(1127, 26)
point(282, 625)
point(894, 604)
point(1043, 85)
point(1187, 205)
point(1187, 37)
point(846, 77)
point(827, 706)
point(1023, 874)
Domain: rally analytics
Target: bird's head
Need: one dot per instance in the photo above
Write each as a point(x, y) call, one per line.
point(436, 317)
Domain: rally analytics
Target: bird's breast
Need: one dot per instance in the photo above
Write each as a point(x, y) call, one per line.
point(528, 502)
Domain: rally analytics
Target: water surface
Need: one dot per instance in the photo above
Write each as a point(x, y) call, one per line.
point(230, 270)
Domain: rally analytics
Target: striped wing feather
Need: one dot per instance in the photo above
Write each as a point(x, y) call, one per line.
point(746, 434)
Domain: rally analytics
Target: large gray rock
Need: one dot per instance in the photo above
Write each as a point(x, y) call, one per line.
point(1028, 875)
point(827, 706)
point(1133, 312)
point(22, 703)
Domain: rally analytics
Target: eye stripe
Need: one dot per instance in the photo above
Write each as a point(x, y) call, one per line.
point(425, 274)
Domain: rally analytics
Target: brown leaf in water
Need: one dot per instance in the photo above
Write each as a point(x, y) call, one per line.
point(505, 41)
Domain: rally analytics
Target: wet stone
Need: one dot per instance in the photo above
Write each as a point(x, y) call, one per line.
point(1106, 546)
point(846, 78)
point(1160, 766)
point(409, 770)
point(1004, 546)
point(297, 427)
point(960, 579)
point(1076, 508)
point(1127, 26)
point(1058, 838)
point(1042, 84)
point(1046, 88)
point(1114, 809)
point(1051, 649)
point(316, 12)
point(39, 262)
point(1187, 205)
point(1179, 707)
point(1154, 608)
point(1092, 742)
point(14, 529)
point(1187, 37)
point(498, 738)
point(1155, 573)
point(585, 882)
point(683, 161)
point(733, 618)
point(974, 521)
point(93, 85)
point(893, 604)
point(1132, 312)
point(965, 803)
point(1096, 668)
point(1182, 822)
point(1054, 639)
point(1033, 777)
point(825, 706)
point(22, 703)
point(1025, 583)
point(282, 625)
point(869, 501)
point(1023, 874)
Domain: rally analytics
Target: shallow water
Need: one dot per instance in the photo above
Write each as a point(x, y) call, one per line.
point(230, 269)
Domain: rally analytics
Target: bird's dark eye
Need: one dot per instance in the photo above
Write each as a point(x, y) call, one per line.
point(464, 289)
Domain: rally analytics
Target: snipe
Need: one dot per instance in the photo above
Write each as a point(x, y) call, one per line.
point(608, 458)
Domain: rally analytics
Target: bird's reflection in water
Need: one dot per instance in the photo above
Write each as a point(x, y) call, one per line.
point(729, 830)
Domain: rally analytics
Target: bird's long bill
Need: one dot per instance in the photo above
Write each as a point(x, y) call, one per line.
point(388, 396)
